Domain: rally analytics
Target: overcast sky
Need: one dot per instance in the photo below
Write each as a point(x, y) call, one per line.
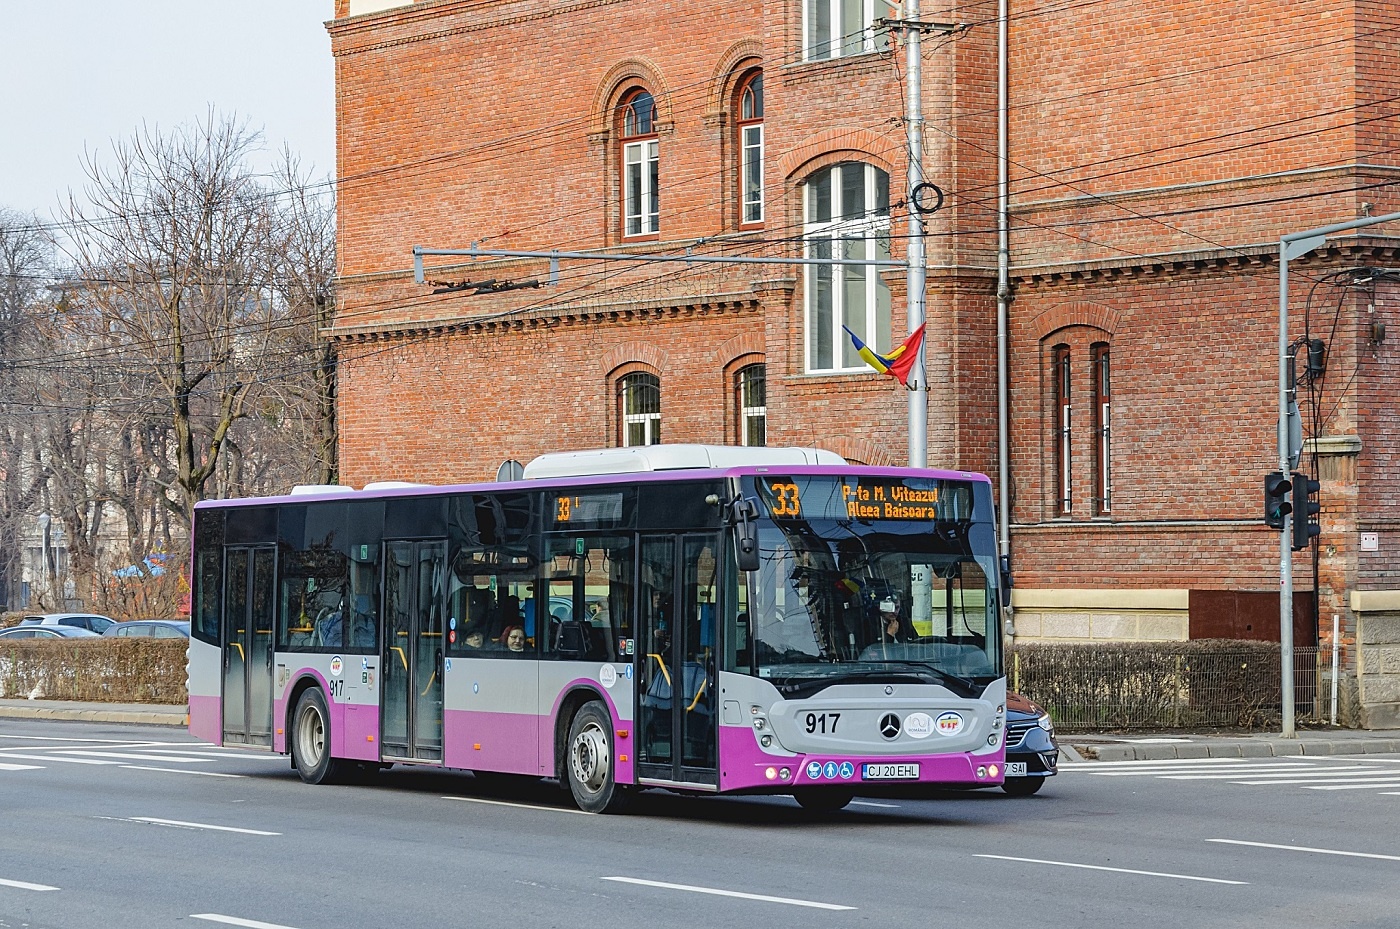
point(77, 74)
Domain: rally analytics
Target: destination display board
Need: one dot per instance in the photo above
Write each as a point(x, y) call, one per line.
point(865, 498)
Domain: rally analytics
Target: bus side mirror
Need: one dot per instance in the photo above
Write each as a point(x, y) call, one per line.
point(745, 533)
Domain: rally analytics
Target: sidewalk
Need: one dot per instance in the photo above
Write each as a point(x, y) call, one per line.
point(1143, 746)
point(139, 713)
point(1075, 746)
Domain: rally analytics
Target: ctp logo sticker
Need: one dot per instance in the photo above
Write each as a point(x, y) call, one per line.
point(949, 723)
point(336, 666)
point(918, 725)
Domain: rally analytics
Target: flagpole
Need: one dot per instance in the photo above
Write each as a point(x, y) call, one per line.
point(916, 276)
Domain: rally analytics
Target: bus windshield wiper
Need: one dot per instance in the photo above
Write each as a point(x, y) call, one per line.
point(941, 676)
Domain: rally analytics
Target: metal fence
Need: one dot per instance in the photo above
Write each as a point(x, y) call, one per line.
point(1192, 685)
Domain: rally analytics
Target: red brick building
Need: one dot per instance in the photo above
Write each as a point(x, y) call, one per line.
point(1155, 158)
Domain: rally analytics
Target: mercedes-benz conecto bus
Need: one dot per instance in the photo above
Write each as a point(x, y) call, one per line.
point(696, 618)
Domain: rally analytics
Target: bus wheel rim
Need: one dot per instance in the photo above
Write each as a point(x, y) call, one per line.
point(311, 735)
point(589, 758)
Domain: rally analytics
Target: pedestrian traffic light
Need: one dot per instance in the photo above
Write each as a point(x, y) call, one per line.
point(1305, 510)
point(1276, 505)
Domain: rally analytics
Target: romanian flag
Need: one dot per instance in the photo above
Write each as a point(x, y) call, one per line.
point(897, 363)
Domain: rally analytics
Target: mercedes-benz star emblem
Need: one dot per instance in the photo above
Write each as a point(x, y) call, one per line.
point(889, 726)
point(889, 690)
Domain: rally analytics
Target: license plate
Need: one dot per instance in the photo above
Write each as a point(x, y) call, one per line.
point(889, 772)
point(1015, 769)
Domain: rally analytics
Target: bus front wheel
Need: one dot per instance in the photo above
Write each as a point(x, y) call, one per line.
point(823, 800)
point(589, 762)
point(311, 739)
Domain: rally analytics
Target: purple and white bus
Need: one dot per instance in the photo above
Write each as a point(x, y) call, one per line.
point(695, 618)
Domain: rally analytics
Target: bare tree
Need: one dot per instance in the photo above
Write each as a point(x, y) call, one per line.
point(24, 264)
point(184, 257)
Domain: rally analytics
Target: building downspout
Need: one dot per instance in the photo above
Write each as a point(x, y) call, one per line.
point(1004, 298)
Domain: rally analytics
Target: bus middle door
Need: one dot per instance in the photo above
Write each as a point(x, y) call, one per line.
point(415, 577)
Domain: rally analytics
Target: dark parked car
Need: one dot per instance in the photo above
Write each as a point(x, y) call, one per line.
point(1031, 752)
point(92, 621)
point(36, 631)
point(151, 629)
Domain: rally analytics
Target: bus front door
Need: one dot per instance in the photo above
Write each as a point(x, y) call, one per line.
point(675, 660)
point(414, 592)
point(249, 601)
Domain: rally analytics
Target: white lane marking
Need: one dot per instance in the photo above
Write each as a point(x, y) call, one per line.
point(131, 756)
point(183, 824)
point(1363, 785)
point(1221, 770)
point(886, 806)
point(1304, 780)
point(142, 767)
point(1314, 773)
point(1096, 867)
point(1305, 848)
point(55, 738)
point(523, 806)
point(813, 904)
point(1178, 763)
point(236, 921)
point(25, 885)
point(58, 758)
point(21, 767)
point(234, 755)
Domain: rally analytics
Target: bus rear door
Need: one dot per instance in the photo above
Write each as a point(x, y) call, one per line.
point(249, 601)
point(414, 596)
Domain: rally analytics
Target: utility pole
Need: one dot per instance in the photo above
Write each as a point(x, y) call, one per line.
point(917, 274)
point(1290, 246)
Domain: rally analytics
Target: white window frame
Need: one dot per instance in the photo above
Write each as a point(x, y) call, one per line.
point(834, 41)
point(640, 169)
point(751, 148)
point(873, 230)
point(750, 413)
point(650, 422)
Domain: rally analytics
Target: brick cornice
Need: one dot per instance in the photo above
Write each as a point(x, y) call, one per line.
point(386, 19)
point(747, 343)
point(697, 306)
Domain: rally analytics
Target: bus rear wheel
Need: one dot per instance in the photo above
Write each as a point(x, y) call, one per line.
point(311, 740)
point(588, 763)
point(823, 800)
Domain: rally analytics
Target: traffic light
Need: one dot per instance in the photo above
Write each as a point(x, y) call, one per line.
point(1276, 505)
point(1305, 510)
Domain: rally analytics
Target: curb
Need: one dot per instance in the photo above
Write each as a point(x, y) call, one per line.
point(1255, 748)
point(96, 716)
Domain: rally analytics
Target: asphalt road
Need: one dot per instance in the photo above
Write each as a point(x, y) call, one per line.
point(119, 826)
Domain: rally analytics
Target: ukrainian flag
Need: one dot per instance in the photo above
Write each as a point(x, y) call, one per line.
point(898, 363)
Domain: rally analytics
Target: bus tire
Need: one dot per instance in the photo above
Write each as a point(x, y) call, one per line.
point(588, 762)
point(311, 739)
point(823, 800)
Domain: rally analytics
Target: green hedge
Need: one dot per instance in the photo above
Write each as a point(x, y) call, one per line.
point(115, 670)
point(1206, 683)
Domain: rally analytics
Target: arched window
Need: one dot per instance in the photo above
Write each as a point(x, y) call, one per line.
point(1103, 427)
point(641, 210)
point(751, 404)
point(750, 147)
point(639, 408)
point(846, 215)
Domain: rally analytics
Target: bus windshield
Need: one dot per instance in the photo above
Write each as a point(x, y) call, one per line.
point(871, 598)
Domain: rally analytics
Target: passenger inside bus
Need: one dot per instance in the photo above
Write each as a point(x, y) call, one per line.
point(514, 639)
